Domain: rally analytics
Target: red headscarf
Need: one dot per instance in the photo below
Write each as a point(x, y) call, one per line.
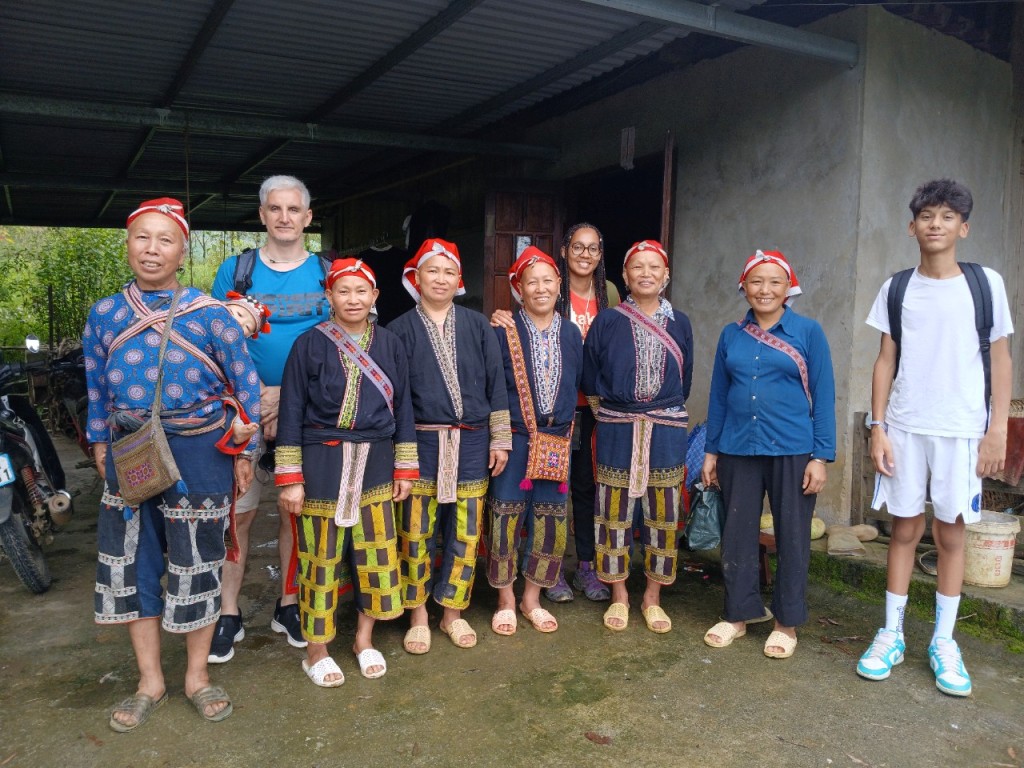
point(434, 246)
point(259, 310)
point(645, 245)
point(527, 258)
point(168, 206)
point(358, 267)
point(772, 257)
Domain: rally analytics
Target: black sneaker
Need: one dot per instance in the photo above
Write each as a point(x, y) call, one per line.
point(229, 631)
point(286, 622)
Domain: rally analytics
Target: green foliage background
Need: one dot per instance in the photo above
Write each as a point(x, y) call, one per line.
point(84, 265)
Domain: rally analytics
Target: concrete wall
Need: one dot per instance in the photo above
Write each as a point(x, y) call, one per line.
point(933, 107)
point(780, 151)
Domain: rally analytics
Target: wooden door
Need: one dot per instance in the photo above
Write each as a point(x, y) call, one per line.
point(516, 216)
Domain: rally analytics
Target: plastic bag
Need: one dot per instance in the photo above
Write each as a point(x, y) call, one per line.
point(704, 528)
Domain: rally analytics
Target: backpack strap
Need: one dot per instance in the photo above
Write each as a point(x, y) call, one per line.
point(981, 293)
point(897, 290)
point(244, 266)
point(246, 263)
point(326, 259)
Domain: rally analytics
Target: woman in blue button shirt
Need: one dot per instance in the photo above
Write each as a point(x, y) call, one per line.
point(771, 429)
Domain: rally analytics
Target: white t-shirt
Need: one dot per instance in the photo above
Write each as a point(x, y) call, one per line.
point(940, 385)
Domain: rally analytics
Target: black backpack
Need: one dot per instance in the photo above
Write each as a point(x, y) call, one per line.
point(981, 294)
point(247, 263)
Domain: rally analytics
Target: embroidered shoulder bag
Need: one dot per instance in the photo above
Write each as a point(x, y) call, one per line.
point(143, 460)
point(548, 455)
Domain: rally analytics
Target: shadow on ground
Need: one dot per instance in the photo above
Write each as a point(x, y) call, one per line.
point(581, 696)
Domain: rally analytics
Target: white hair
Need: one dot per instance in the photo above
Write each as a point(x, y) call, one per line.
point(274, 183)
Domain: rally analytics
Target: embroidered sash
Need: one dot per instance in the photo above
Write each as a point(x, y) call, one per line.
point(659, 333)
point(354, 455)
point(362, 360)
point(547, 455)
point(446, 354)
point(350, 489)
point(449, 439)
point(775, 342)
point(643, 426)
point(155, 319)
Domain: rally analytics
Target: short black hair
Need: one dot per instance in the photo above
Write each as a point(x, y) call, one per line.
point(943, 192)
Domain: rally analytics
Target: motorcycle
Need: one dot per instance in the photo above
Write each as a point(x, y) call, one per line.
point(33, 502)
point(59, 392)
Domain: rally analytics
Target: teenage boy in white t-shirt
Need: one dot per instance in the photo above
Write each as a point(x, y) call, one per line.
point(931, 428)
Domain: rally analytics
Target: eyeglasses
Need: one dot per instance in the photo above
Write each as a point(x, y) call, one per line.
point(577, 249)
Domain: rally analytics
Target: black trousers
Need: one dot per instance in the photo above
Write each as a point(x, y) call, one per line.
point(745, 480)
point(583, 488)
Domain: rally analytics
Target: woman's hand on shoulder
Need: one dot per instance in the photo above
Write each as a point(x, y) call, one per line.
point(502, 318)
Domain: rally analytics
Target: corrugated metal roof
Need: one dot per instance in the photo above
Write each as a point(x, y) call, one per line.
point(381, 66)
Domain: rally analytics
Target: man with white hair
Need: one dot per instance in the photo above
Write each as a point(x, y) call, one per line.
point(287, 278)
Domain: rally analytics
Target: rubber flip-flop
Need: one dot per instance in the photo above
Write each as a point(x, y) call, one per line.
point(140, 706)
point(371, 657)
point(618, 611)
point(211, 694)
point(538, 617)
point(457, 631)
point(654, 614)
point(506, 617)
point(779, 640)
point(768, 616)
point(318, 672)
point(722, 634)
point(419, 634)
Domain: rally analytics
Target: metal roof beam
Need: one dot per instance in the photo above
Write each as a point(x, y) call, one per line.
point(720, 23)
point(231, 125)
point(188, 64)
point(367, 77)
point(114, 186)
point(394, 57)
point(582, 60)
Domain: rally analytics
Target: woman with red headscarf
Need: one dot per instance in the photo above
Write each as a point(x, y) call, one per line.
point(771, 429)
point(637, 368)
point(346, 452)
point(543, 358)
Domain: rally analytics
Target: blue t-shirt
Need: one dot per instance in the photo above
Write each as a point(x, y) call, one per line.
point(297, 303)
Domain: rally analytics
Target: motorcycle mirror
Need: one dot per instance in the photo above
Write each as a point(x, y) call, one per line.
point(32, 343)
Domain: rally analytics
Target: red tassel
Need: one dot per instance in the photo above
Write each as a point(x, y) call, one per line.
point(526, 484)
point(563, 487)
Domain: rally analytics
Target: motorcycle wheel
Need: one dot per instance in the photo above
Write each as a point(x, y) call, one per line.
point(21, 549)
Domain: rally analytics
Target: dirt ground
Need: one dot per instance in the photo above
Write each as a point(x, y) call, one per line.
point(582, 695)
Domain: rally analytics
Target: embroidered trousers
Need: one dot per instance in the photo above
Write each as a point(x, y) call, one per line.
point(188, 528)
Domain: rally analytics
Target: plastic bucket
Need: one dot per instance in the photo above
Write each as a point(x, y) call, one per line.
point(988, 549)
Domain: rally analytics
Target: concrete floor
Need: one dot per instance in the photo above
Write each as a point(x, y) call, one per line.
point(581, 696)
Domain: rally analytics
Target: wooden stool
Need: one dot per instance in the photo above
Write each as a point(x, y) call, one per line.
point(766, 546)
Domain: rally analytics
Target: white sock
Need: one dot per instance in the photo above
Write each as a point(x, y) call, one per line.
point(895, 606)
point(945, 614)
